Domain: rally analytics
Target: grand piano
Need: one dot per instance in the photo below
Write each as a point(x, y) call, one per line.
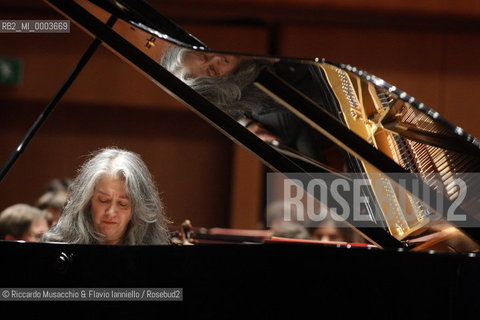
point(417, 203)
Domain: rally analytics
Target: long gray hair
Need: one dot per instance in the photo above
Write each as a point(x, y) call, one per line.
point(234, 93)
point(148, 224)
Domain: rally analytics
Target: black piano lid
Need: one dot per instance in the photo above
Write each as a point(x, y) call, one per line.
point(141, 15)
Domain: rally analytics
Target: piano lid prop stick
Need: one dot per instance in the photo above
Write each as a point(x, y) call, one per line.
point(49, 108)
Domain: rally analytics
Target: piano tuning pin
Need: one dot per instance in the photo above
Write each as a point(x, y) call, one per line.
point(399, 229)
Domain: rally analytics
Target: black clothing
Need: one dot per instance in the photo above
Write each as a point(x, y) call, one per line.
point(294, 132)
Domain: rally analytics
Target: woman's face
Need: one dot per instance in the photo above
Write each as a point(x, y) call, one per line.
point(208, 64)
point(111, 209)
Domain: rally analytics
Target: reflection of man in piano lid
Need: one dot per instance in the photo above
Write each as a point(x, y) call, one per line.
point(113, 200)
point(209, 64)
point(191, 64)
point(229, 85)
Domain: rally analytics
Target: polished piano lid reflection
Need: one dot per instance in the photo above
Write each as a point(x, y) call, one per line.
point(301, 112)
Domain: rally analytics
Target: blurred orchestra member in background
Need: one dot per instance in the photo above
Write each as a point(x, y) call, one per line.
point(330, 230)
point(58, 185)
point(281, 227)
point(54, 199)
point(290, 230)
point(113, 200)
point(23, 222)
